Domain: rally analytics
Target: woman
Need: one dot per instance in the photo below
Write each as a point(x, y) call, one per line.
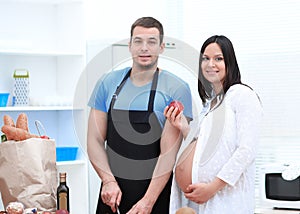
point(215, 173)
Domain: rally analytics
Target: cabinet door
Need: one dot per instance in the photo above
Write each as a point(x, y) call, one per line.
point(47, 38)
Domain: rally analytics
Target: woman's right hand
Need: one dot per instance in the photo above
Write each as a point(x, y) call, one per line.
point(111, 194)
point(177, 120)
point(201, 192)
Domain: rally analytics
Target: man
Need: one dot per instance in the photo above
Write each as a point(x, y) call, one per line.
point(130, 144)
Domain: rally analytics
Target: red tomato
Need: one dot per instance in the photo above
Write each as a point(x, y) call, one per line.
point(177, 104)
point(45, 137)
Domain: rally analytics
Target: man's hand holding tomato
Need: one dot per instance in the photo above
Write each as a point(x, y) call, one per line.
point(174, 114)
point(177, 107)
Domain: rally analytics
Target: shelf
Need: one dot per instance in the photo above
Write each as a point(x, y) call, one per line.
point(25, 52)
point(47, 38)
point(42, 28)
point(38, 108)
point(70, 163)
point(44, 1)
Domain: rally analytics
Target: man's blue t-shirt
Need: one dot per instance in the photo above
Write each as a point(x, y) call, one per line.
point(131, 97)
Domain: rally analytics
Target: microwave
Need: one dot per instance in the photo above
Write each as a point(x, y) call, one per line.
point(277, 192)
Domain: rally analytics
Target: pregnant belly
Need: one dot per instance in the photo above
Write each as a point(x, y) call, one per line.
point(183, 169)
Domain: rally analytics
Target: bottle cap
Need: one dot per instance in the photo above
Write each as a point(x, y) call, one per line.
point(63, 174)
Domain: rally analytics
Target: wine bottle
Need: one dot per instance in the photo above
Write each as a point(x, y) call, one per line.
point(63, 193)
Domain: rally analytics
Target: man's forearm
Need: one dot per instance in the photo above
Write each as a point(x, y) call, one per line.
point(156, 186)
point(98, 159)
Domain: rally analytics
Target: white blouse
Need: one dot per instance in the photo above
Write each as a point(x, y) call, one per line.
point(226, 148)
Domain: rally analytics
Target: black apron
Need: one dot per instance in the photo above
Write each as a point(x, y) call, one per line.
point(133, 147)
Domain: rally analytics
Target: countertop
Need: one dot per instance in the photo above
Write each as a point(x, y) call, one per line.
point(275, 211)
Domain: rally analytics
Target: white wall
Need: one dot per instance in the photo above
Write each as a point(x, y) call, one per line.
point(266, 38)
point(111, 20)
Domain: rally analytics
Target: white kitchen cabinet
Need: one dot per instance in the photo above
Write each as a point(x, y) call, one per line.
point(46, 37)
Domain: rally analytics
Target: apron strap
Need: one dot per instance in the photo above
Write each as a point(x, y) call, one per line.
point(152, 92)
point(115, 95)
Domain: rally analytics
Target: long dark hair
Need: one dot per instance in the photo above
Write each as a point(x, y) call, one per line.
point(232, 76)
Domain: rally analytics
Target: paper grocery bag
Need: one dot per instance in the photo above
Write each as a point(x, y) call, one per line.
point(28, 173)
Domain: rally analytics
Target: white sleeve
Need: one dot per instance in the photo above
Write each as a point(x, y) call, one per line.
point(248, 115)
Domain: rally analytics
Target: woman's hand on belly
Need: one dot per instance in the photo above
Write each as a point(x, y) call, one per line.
point(201, 192)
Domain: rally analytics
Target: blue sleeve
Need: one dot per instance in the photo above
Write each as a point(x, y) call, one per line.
point(183, 94)
point(99, 96)
point(105, 88)
point(179, 90)
point(170, 88)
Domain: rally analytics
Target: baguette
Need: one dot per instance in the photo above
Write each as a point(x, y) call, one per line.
point(22, 122)
point(8, 120)
point(17, 134)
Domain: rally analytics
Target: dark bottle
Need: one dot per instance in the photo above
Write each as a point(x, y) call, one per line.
point(63, 193)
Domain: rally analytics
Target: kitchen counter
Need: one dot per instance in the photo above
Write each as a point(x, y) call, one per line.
point(275, 211)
